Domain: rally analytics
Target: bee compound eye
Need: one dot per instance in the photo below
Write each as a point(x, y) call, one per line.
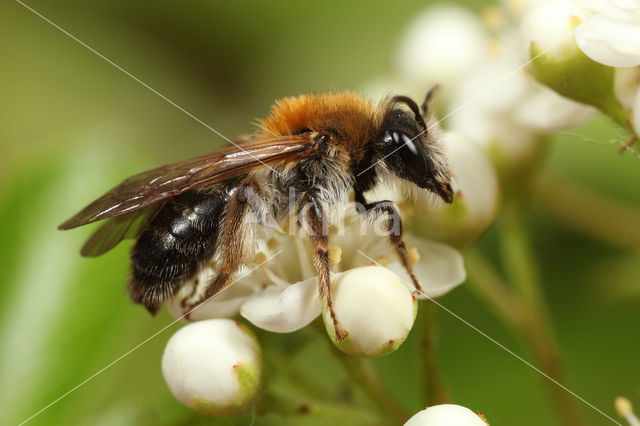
point(401, 140)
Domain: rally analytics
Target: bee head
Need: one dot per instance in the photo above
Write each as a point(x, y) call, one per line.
point(409, 150)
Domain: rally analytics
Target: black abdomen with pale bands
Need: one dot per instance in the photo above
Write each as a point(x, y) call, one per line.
point(176, 243)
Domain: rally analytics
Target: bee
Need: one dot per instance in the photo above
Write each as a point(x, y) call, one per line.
point(313, 152)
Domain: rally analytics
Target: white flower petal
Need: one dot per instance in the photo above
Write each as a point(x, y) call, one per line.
point(611, 37)
point(626, 84)
point(213, 366)
point(446, 415)
point(493, 86)
point(549, 24)
point(474, 178)
point(284, 310)
point(599, 5)
point(546, 111)
point(224, 305)
point(439, 270)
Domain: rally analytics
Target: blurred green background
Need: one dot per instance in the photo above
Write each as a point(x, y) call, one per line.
point(73, 125)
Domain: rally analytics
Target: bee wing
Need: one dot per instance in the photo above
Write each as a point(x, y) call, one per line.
point(153, 186)
point(118, 228)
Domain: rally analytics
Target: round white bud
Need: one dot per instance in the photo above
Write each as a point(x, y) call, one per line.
point(375, 311)
point(446, 415)
point(214, 367)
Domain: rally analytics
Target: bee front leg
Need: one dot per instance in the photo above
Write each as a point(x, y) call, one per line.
point(312, 218)
point(231, 240)
point(394, 228)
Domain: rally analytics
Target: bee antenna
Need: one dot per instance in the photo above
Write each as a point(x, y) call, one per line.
point(427, 99)
point(411, 104)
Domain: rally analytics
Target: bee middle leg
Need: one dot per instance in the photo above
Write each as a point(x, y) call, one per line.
point(231, 240)
point(394, 229)
point(312, 215)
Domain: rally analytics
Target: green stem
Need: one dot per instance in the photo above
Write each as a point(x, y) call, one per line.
point(278, 354)
point(487, 285)
point(518, 259)
point(521, 268)
point(363, 372)
point(590, 213)
point(434, 391)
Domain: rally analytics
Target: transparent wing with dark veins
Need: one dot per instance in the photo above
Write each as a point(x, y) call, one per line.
point(153, 186)
point(118, 228)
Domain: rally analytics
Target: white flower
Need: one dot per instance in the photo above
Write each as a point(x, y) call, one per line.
point(549, 24)
point(607, 31)
point(446, 415)
point(611, 35)
point(213, 367)
point(281, 295)
point(563, 35)
point(491, 99)
point(375, 310)
point(440, 46)
point(502, 108)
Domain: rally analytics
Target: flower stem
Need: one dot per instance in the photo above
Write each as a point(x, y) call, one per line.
point(434, 391)
point(520, 264)
point(488, 285)
point(363, 372)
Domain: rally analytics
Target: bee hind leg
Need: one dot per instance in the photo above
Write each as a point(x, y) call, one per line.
point(231, 241)
point(312, 218)
point(394, 227)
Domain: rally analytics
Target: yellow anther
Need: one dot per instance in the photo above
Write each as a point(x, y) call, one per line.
point(414, 256)
point(335, 254)
point(260, 258)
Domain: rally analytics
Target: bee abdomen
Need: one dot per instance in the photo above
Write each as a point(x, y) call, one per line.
point(172, 249)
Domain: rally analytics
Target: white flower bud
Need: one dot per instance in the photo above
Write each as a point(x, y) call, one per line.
point(446, 415)
point(213, 367)
point(374, 308)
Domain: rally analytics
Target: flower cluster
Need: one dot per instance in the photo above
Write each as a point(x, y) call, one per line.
point(599, 40)
point(491, 97)
point(507, 82)
point(215, 363)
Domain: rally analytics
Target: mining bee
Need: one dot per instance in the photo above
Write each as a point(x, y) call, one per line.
point(309, 155)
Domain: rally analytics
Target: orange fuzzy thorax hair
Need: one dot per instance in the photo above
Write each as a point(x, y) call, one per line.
point(354, 117)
